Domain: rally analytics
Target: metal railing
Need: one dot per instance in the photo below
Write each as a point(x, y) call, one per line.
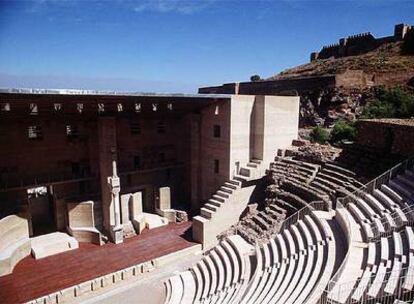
point(301, 213)
point(358, 291)
point(398, 223)
point(377, 182)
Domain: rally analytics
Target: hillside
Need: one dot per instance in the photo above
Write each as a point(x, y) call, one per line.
point(387, 58)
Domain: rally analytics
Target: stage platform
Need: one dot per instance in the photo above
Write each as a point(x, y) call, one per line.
point(35, 278)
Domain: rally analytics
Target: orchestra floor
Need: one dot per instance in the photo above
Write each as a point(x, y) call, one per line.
point(34, 278)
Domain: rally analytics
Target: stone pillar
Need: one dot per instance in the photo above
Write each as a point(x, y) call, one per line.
point(110, 184)
point(114, 188)
point(165, 198)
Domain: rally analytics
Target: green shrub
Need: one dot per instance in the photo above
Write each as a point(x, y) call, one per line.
point(254, 78)
point(319, 135)
point(343, 130)
point(393, 103)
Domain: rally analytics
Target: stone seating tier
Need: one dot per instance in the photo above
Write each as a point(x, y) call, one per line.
point(52, 243)
point(15, 243)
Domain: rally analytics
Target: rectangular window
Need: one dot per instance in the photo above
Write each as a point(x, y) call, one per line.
point(161, 157)
point(135, 127)
point(216, 166)
point(137, 162)
point(161, 127)
point(72, 131)
point(34, 132)
point(76, 169)
point(216, 131)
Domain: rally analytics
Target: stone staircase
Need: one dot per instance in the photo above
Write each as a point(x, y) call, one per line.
point(247, 173)
point(225, 206)
point(253, 170)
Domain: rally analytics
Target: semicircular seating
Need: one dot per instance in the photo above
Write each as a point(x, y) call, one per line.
point(363, 251)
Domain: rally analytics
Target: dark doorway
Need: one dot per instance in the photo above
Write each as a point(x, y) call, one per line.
point(41, 210)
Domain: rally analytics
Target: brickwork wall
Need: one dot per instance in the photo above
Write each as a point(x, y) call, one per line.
point(387, 136)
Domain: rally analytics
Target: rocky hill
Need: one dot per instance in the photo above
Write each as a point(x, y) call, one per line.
point(341, 78)
point(387, 58)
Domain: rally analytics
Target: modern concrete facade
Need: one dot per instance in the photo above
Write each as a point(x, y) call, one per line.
point(82, 145)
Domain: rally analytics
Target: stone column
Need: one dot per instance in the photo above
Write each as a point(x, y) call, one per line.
point(114, 188)
point(110, 183)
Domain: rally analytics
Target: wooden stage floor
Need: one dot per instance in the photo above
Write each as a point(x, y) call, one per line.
point(32, 279)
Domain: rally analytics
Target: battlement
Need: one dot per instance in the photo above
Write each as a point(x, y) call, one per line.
point(359, 43)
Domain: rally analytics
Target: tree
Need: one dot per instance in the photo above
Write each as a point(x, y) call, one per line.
point(255, 78)
point(343, 130)
point(393, 103)
point(319, 135)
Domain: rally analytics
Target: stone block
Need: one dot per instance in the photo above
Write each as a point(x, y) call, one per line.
point(136, 205)
point(125, 202)
point(81, 214)
point(165, 198)
point(52, 243)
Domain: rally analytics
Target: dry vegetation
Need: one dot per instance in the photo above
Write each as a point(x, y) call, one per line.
point(384, 59)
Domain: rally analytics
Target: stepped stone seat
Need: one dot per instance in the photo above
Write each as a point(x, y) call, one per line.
point(198, 277)
point(349, 185)
point(378, 281)
point(278, 271)
point(402, 189)
point(213, 275)
point(302, 259)
point(219, 264)
point(269, 277)
point(311, 270)
point(322, 187)
point(177, 290)
point(15, 243)
point(394, 278)
point(375, 204)
point(82, 223)
point(366, 209)
point(385, 199)
point(409, 275)
point(393, 194)
point(190, 287)
point(260, 222)
point(340, 169)
point(206, 282)
point(407, 181)
point(52, 243)
point(354, 264)
point(362, 286)
point(296, 260)
point(258, 275)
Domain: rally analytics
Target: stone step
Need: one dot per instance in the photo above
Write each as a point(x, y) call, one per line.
point(211, 207)
point(240, 178)
point(215, 202)
point(235, 182)
point(218, 198)
point(207, 213)
point(223, 194)
point(231, 186)
point(256, 161)
point(226, 189)
point(244, 172)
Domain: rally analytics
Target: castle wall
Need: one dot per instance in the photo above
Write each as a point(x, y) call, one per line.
point(274, 87)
